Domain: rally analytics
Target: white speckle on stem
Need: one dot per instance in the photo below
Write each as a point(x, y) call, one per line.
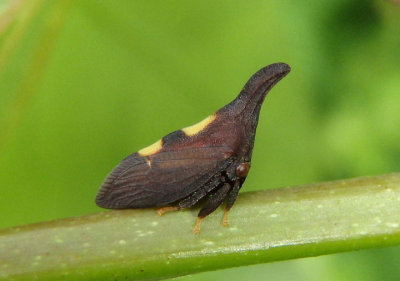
point(392, 224)
point(58, 240)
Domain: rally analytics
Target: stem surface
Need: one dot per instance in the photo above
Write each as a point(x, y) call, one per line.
point(265, 226)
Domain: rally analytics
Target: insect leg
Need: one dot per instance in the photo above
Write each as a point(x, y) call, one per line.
point(231, 200)
point(199, 194)
point(211, 204)
point(163, 210)
point(194, 197)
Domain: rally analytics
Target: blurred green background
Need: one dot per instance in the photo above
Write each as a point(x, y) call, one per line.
point(85, 83)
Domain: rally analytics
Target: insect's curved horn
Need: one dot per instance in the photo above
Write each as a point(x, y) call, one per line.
point(250, 99)
point(262, 81)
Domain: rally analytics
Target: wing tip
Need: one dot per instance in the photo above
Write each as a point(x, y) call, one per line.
point(104, 196)
point(101, 199)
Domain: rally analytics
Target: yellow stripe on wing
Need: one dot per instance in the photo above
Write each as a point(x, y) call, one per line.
point(151, 149)
point(196, 128)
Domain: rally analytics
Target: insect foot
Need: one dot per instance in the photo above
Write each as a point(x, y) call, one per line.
point(163, 210)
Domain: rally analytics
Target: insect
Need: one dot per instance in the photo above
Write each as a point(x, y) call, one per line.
point(209, 159)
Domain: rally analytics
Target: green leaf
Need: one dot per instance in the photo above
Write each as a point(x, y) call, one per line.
point(264, 226)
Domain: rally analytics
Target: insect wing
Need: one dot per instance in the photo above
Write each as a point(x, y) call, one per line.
point(161, 178)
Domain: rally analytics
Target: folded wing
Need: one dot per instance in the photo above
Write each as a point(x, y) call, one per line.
point(161, 178)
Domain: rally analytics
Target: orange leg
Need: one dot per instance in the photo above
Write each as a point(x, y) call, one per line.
point(225, 219)
point(163, 210)
point(196, 228)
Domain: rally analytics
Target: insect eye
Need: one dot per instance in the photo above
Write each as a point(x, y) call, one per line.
point(242, 170)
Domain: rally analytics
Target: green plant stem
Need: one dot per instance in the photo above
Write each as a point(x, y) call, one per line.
point(264, 226)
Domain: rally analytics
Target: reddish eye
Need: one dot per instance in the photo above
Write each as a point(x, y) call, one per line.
point(242, 170)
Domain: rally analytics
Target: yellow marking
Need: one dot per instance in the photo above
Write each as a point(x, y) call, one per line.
point(148, 161)
point(196, 128)
point(151, 149)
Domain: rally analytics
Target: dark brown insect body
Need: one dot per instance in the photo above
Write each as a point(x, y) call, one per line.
point(211, 158)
